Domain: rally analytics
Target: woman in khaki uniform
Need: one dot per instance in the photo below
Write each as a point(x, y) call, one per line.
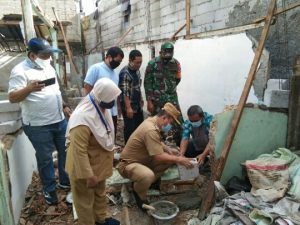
point(90, 141)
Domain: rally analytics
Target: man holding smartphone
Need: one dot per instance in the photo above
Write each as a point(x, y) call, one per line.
point(33, 84)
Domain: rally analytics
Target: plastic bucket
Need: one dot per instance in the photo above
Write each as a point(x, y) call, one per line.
point(164, 213)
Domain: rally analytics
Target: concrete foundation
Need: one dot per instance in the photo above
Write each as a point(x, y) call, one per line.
point(275, 96)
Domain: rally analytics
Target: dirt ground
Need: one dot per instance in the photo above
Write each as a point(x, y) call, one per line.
point(36, 212)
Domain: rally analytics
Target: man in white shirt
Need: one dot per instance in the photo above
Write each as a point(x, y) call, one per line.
point(42, 112)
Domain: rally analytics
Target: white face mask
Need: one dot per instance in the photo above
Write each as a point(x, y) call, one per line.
point(43, 63)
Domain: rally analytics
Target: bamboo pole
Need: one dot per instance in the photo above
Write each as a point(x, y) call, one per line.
point(207, 203)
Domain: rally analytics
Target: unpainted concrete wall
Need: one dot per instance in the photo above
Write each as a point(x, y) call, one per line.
point(166, 16)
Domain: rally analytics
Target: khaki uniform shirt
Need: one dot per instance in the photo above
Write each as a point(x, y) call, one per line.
point(86, 157)
point(144, 143)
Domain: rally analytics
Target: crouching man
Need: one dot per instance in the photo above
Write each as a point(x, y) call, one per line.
point(143, 159)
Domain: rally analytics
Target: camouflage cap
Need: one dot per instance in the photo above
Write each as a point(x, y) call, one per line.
point(167, 45)
point(172, 111)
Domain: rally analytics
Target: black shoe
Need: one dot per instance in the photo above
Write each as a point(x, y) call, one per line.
point(50, 197)
point(109, 221)
point(156, 185)
point(139, 201)
point(65, 187)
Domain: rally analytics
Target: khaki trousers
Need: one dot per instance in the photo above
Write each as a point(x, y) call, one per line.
point(142, 176)
point(90, 203)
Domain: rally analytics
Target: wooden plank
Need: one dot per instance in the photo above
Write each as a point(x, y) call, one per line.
point(226, 31)
point(39, 11)
point(207, 203)
point(188, 17)
point(123, 36)
point(28, 20)
point(177, 32)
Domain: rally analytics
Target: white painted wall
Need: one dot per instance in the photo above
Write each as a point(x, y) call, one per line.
point(20, 155)
point(21, 159)
point(213, 70)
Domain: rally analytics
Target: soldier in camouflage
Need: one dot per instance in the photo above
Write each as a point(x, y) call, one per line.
point(162, 76)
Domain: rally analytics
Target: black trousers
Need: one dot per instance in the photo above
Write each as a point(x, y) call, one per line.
point(115, 121)
point(130, 124)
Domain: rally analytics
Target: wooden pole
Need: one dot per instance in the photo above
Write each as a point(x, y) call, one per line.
point(207, 203)
point(69, 52)
point(294, 108)
point(177, 32)
point(123, 36)
point(188, 17)
point(28, 20)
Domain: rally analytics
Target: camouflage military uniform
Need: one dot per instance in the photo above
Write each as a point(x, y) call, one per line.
point(160, 84)
point(161, 81)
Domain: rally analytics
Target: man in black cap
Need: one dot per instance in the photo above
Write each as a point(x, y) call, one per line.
point(33, 83)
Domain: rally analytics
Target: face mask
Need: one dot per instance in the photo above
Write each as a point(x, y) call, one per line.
point(166, 55)
point(43, 63)
point(166, 128)
point(196, 124)
point(108, 105)
point(114, 64)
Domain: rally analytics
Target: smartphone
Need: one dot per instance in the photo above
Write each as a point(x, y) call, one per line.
point(48, 82)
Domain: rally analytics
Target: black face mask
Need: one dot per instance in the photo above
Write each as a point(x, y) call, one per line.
point(105, 105)
point(114, 64)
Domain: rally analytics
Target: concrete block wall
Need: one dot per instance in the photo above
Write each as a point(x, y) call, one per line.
point(65, 9)
point(166, 16)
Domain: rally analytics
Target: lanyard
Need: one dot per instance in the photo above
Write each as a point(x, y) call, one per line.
point(100, 114)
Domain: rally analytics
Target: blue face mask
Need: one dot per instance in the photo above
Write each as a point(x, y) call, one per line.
point(196, 124)
point(166, 128)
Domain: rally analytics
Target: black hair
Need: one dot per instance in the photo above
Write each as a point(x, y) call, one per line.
point(195, 109)
point(114, 52)
point(134, 53)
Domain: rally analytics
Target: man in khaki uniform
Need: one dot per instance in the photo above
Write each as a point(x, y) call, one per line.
point(90, 141)
point(143, 159)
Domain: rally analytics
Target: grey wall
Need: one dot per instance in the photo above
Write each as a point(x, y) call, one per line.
point(166, 16)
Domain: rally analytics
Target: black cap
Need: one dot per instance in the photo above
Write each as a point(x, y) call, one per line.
point(39, 45)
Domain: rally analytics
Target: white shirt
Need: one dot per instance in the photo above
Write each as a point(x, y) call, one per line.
point(39, 108)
